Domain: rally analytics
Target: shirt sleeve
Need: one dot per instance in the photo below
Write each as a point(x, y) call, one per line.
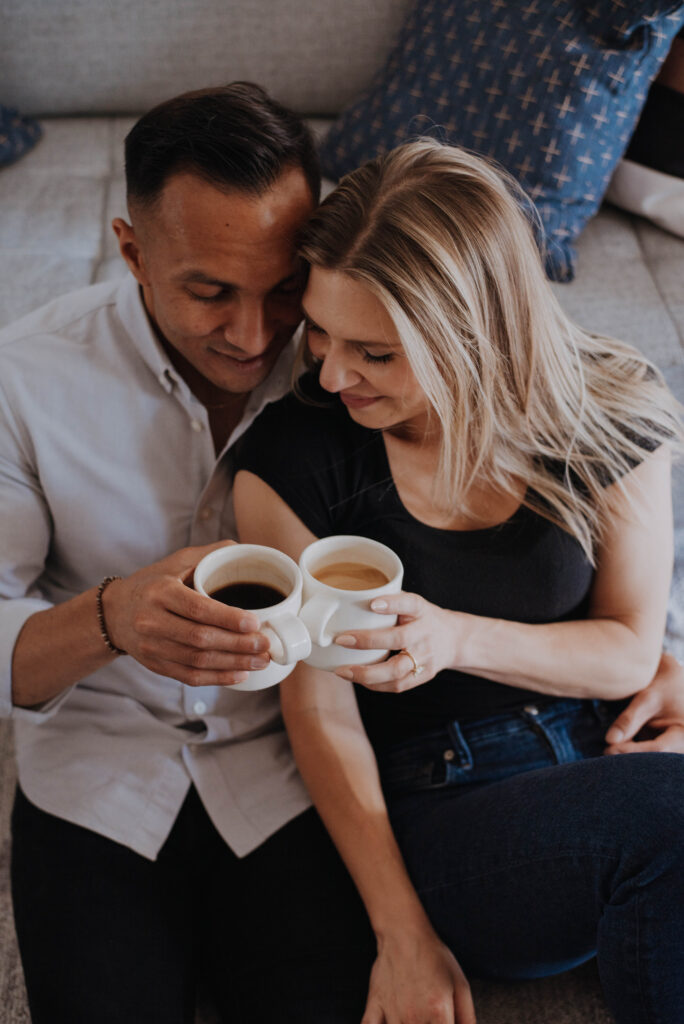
point(296, 446)
point(24, 542)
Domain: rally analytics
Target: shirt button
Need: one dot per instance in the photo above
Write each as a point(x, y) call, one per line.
point(206, 513)
point(449, 755)
point(199, 707)
point(196, 425)
point(531, 709)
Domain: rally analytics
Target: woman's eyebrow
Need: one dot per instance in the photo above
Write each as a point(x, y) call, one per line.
point(367, 343)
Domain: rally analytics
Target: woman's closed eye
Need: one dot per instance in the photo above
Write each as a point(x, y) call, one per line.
point(313, 328)
point(370, 357)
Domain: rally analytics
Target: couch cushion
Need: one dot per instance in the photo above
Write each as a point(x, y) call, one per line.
point(124, 57)
point(551, 91)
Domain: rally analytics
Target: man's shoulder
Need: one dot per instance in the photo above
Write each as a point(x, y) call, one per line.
point(58, 317)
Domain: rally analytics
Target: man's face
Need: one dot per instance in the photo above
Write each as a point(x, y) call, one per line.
point(220, 279)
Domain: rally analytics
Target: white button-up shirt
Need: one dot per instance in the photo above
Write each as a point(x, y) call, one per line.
point(107, 464)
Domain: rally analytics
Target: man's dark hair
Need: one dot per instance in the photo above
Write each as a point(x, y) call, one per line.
point(234, 137)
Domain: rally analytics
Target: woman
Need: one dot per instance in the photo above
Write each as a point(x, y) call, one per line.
point(520, 467)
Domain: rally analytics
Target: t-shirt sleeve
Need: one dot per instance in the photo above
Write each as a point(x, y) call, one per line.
point(298, 447)
point(605, 474)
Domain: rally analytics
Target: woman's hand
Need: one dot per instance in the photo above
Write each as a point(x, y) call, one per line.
point(416, 980)
point(430, 633)
point(660, 707)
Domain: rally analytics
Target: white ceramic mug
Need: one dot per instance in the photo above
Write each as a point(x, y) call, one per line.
point(288, 638)
point(328, 611)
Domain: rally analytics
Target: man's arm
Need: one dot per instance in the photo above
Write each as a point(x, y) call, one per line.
point(154, 617)
point(659, 708)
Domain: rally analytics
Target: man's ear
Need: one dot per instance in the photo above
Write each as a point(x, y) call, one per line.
point(130, 250)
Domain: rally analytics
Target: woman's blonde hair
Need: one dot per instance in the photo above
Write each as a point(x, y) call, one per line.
point(445, 240)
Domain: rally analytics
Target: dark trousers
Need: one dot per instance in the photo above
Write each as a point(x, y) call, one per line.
point(108, 937)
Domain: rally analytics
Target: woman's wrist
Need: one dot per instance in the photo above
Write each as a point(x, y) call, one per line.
point(403, 917)
point(471, 641)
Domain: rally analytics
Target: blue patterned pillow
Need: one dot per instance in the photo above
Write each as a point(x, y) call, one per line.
point(17, 135)
point(551, 89)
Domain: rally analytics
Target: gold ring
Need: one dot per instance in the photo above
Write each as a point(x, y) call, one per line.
point(417, 669)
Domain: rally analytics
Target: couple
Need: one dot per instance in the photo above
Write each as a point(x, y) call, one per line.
point(160, 829)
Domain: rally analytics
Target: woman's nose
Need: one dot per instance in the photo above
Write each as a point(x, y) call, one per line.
point(336, 373)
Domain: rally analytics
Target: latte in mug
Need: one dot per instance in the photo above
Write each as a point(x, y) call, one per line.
point(342, 575)
point(350, 576)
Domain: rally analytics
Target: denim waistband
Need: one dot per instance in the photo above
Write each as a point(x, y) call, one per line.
point(487, 749)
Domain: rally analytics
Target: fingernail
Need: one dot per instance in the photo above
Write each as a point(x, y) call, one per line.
point(615, 735)
point(247, 625)
point(378, 605)
point(345, 640)
point(345, 673)
point(241, 677)
point(258, 663)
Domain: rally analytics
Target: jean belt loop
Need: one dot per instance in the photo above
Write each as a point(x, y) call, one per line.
point(459, 753)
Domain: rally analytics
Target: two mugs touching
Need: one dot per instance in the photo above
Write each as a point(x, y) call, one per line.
point(303, 608)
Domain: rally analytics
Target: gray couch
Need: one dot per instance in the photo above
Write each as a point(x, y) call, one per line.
point(86, 67)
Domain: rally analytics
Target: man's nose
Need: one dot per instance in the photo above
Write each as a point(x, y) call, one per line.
point(250, 328)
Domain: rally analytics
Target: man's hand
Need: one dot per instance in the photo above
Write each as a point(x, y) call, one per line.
point(160, 621)
point(660, 707)
point(418, 982)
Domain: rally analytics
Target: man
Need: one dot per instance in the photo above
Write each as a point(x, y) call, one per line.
point(160, 828)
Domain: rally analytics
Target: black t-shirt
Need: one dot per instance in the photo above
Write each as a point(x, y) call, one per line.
point(334, 474)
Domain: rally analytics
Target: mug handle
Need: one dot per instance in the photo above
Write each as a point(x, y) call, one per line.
point(316, 613)
point(288, 639)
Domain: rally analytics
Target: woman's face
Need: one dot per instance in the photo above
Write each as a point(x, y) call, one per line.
point(362, 358)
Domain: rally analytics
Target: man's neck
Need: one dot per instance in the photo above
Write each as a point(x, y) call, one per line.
point(225, 408)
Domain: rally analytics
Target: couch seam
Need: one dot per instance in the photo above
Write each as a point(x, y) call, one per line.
point(104, 203)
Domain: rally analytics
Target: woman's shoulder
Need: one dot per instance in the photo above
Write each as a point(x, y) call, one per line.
point(308, 421)
point(309, 438)
point(307, 449)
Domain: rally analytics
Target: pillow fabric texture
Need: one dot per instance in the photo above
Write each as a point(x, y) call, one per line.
point(551, 89)
point(17, 134)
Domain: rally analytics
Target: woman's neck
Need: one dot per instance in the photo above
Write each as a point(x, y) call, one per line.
point(414, 465)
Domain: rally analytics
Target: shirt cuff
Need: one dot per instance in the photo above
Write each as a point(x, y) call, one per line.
point(13, 615)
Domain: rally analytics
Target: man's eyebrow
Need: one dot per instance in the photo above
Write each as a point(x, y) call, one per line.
point(197, 277)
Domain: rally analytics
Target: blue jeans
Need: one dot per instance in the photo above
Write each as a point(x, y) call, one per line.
point(532, 852)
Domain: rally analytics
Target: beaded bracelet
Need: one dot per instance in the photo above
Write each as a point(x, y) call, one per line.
point(100, 615)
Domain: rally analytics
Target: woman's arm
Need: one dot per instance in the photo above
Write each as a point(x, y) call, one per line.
point(415, 976)
point(611, 654)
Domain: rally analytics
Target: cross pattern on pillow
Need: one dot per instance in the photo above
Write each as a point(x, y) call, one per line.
point(551, 89)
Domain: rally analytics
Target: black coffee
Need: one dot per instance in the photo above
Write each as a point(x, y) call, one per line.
point(249, 595)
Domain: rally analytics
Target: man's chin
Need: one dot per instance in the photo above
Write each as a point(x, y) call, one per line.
point(240, 375)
